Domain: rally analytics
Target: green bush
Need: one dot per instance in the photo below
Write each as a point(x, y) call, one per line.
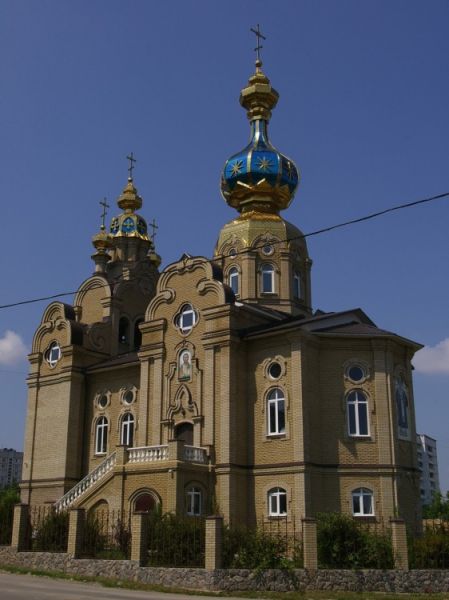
point(9, 496)
point(431, 550)
point(175, 541)
point(245, 548)
point(51, 534)
point(345, 544)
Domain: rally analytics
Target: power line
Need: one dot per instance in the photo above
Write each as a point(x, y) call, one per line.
point(368, 217)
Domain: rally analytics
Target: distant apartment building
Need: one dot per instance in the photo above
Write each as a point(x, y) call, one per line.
point(10, 466)
point(428, 465)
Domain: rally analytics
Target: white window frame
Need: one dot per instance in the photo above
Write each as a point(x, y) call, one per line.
point(127, 428)
point(101, 435)
point(51, 359)
point(274, 498)
point(276, 399)
point(360, 494)
point(194, 501)
point(186, 309)
point(234, 280)
point(296, 285)
point(354, 399)
point(267, 269)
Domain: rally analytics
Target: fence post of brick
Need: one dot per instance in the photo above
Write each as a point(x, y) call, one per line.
point(309, 543)
point(19, 527)
point(139, 522)
point(399, 542)
point(214, 542)
point(77, 519)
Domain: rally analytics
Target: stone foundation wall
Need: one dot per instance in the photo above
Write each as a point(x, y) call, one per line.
point(423, 581)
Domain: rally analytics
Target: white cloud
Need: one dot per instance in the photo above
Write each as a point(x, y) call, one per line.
point(433, 359)
point(12, 348)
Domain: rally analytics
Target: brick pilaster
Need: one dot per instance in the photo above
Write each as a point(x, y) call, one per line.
point(214, 541)
point(399, 542)
point(309, 543)
point(19, 537)
point(77, 519)
point(139, 524)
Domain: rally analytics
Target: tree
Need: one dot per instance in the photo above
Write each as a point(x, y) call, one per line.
point(438, 508)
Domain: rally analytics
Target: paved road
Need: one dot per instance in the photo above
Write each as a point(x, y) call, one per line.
point(29, 587)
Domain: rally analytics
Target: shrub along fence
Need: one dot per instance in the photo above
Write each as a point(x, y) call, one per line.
point(332, 541)
point(431, 550)
point(9, 496)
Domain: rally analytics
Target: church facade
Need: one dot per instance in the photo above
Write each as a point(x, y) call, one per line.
point(211, 386)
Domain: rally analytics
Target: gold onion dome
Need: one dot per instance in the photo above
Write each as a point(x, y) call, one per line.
point(129, 223)
point(102, 241)
point(259, 178)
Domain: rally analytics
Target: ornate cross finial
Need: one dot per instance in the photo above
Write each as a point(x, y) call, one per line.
point(131, 165)
point(259, 47)
point(154, 227)
point(105, 205)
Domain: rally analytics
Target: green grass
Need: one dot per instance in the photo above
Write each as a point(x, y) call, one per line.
point(307, 595)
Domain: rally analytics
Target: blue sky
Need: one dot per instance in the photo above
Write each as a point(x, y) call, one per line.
point(364, 91)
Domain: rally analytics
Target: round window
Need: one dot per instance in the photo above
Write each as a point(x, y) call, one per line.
point(103, 401)
point(267, 249)
point(274, 370)
point(232, 253)
point(356, 373)
point(128, 397)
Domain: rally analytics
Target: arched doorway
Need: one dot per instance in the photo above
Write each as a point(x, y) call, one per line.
point(184, 432)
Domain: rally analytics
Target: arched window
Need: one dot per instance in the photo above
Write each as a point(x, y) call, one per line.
point(277, 502)
point(296, 285)
point(123, 331)
point(137, 334)
point(362, 503)
point(145, 502)
point(233, 278)
point(101, 436)
point(194, 501)
point(276, 412)
point(186, 319)
point(267, 279)
point(127, 430)
point(402, 408)
point(357, 410)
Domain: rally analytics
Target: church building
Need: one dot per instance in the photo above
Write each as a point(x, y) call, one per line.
point(211, 386)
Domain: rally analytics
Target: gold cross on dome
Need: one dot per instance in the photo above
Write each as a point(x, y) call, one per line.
point(259, 36)
point(105, 206)
point(131, 165)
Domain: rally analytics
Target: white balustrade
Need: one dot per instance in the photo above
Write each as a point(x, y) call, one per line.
point(147, 454)
point(82, 486)
point(195, 454)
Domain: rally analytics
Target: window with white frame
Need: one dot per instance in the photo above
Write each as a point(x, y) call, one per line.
point(267, 278)
point(194, 497)
point(276, 412)
point(53, 354)
point(233, 278)
point(186, 318)
point(277, 502)
point(362, 503)
point(357, 411)
point(127, 430)
point(296, 285)
point(101, 436)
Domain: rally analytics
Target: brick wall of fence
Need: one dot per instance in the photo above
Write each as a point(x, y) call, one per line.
point(135, 544)
point(231, 580)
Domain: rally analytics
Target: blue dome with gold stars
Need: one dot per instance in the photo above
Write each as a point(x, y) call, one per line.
point(259, 177)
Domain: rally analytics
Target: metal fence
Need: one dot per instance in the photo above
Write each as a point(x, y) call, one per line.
point(431, 549)
point(47, 530)
point(274, 543)
point(345, 542)
point(107, 534)
point(175, 541)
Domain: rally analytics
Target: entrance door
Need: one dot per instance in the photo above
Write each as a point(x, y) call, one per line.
point(184, 432)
